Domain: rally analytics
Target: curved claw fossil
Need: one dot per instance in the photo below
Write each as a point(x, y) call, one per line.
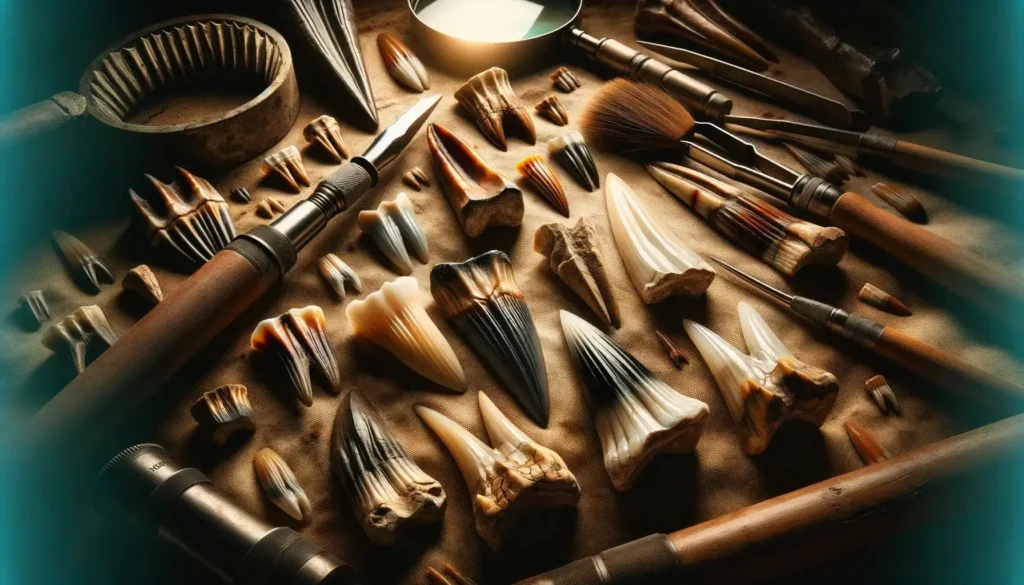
point(85, 266)
point(280, 484)
point(575, 256)
point(298, 340)
point(489, 98)
point(77, 332)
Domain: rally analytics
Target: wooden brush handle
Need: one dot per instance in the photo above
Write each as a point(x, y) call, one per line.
point(946, 164)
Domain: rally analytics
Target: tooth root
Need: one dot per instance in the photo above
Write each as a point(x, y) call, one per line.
point(483, 302)
point(880, 299)
point(816, 165)
point(386, 488)
point(402, 64)
point(85, 266)
point(326, 132)
point(866, 443)
point(575, 256)
point(280, 485)
point(551, 108)
point(881, 392)
point(382, 228)
point(395, 319)
point(141, 281)
point(677, 357)
point(543, 179)
point(338, 274)
point(298, 339)
point(489, 99)
point(287, 163)
point(33, 303)
point(637, 415)
point(565, 80)
point(77, 332)
point(572, 153)
point(224, 411)
point(404, 216)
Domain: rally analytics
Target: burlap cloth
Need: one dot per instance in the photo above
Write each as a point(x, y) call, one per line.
point(675, 491)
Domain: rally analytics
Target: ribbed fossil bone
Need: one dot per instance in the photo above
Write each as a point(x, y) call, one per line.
point(507, 479)
point(880, 391)
point(637, 415)
point(280, 484)
point(904, 202)
point(224, 411)
point(416, 179)
point(338, 274)
point(877, 297)
point(77, 332)
point(766, 387)
point(394, 228)
point(551, 108)
point(786, 243)
point(85, 266)
point(287, 163)
point(34, 304)
point(325, 131)
point(450, 576)
point(489, 98)
point(566, 80)
point(659, 265)
point(395, 319)
point(543, 179)
point(817, 166)
point(386, 488)
point(570, 150)
point(142, 282)
point(575, 256)
point(866, 443)
point(298, 340)
point(482, 300)
point(241, 195)
point(402, 64)
point(675, 355)
point(479, 195)
point(188, 216)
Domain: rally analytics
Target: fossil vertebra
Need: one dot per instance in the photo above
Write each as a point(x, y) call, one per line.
point(866, 443)
point(241, 195)
point(394, 228)
point(402, 64)
point(677, 357)
point(386, 488)
point(478, 194)
point(904, 202)
point(338, 274)
point(570, 150)
point(141, 281)
point(77, 332)
point(287, 163)
point(85, 266)
point(877, 297)
point(416, 179)
point(575, 256)
point(280, 485)
point(659, 265)
point(817, 166)
point(565, 80)
point(298, 340)
point(224, 411)
point(489, 98)
point(766, 387)
point(507, 479)
point(450, 576)
point(324, 130)
point(636, 414)
point(783, 241)
point(34, 304)
point(189, 216)
point(395, 319)
point(484, 303)
point(543, 179)
point(880, 391)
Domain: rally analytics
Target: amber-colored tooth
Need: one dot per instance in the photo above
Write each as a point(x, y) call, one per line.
point(551, 108)
point(543, 179)
point(904, 202)
point(263, 209)
point(35, 305)
point(77, 332)
point(565, 80)
point(287, 163)
point(675, 355)
point(280, 484)
point(877, 297)
point(402, 64)
point(575, 256)
point(141, 281)
point(85, 266)
point(489, 98)
point(298, 340)
point(866, 443)
point(326, 132)
point(224, 412)
point(881, 392)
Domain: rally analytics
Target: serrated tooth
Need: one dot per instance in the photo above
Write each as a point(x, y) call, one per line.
point(384, 231)
point(880, 299)
point(565, 80)
point(77, 332)
point(637, 415)
point(287, 163)
point(325, 131)
point(85, 266)
point(338, 274)
point(395, 319)
point(404, 215)
point(402, 64)
point(575, 256)
point(482, 300)
point(142, 282)
point(881, 392)
point(866, 443)
point(386, 488)
point(224, 411)
point(543, 179)
point(551, 108)
point(490, 100)
point(33, 304)
point(298, 340)
point(570, 150)
point(280, 484)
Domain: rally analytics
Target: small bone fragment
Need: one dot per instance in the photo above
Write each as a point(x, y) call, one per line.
point(142, 282)
point(575, 256)
point(551, 108)
point(566, 80)
point(677, 357)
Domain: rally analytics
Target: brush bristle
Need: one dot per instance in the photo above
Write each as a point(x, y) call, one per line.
point(625, 116)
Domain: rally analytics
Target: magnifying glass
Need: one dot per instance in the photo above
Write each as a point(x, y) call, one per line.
point(468, 36)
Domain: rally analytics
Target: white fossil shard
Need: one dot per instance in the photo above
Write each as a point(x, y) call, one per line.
point(395, 319)
point(402, 64)
point(489, 99)
point(636, 414)
point(143, 283)
point(280, 485)
point(34, 304)
point(575, 256)
point(571, 151)
point(85, 266)
point(659, 265)
point(338, 274)
point(325, 131)
point(507, 479)
point(396, 232)
point(298, 340)
point(766, 387)
point(224, 411)
point(79, 331)
point(287, 163)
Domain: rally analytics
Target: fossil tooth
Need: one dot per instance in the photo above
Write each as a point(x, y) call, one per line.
point(904, 202)
point(324, 130)
point(636, 414)
point(565, 80)
point(450, 577)
point(866, 443)
point(402, 64)
point(280, 485)
point(416, 179)
point(85, 266)
point(848, 165)
point(766, 387)
point(881, 392)
point(817, 166)
point(287, 163)
point(187, 216)
point(483, 302)
point(386, 488)
point(659, 265)
point(783, 241)
point(33, 303)
point(507, 480)
point(489, 98)
point(576, 258)
point(570, 150)
point(677, 357)
point(382, 228)
point(141, 281)
point(224, 411)
point(264, 210)
point(877, 297)
point(543, 179)
point(338, 274)
point(77, 332)
point(478, 194)
point(298, 339)
point(404, 215)
point(420, 176)
point(551, 108)
point(275, 205)
point(395, 319)
point(241, 195)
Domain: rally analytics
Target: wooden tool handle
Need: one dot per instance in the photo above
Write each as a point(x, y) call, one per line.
point(980, 280)
point(946, 164)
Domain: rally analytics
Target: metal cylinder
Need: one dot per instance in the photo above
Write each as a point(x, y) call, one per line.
point(144, 486)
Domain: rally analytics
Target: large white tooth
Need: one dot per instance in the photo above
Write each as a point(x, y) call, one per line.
point(730, 367)
point(659, 265)
point(402, 212)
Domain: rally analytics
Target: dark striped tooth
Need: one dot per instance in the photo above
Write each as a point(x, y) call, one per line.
point(298, 340)
point(404, 215)
point(85, 266)
point(77, 332)
point(326, 132)
point(490, 100)
point(224, 411)
point(280, 484)
point(575, 256)
point(543, 179)
point(33, 303)
point(572, 153)
point(143, 283)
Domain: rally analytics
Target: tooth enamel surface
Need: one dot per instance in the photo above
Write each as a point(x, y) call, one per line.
point(481, 299)
point(338, 274)
point(402, 64)
point(395, 319)
point(489, 98)
point(543, 179)
point(402, 212)
point(866, 443)
point(387, 490)
point(637, 415)
point(77, 332)
point(385, 233)
point(287, 163)
point(298, 341)
point(280, 485)
point(571, 152)
point(325, 131)
point(141, 281)
point(85, 266)
point(551, 108)
point(575, 256)
point(224, 411)
point(659, 265)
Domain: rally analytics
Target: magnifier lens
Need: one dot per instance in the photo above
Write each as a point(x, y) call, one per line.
point(496, 21)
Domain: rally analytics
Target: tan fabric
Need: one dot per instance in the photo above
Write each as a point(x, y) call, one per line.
point(675, 491)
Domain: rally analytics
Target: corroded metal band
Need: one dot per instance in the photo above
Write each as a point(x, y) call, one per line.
point(814, 195)
point(878, 144)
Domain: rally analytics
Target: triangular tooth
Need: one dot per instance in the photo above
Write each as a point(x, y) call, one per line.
point(551, 108)
point(575, 256)
point(489, 99)
point(324, 130)
point(338, 274)
point(637, 415)
point(543, 179)
point(280, 484)
point(384, 231)
point(659, 265)
point(866, 443)
point(762, 343)
point(485, 305)
point(287, 163)
point(82, 262)
point(504, 436)
point(77, 332)
point(524, 122)
point(224, 411)
point(570, 150)
point(141, 281)
point(395, 319)
point(403, 65)
point(34, 304)
point(298, 339)
point(404, 215)
point(386, 488)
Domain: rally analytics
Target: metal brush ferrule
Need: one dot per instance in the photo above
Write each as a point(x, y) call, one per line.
point(876, 144)
point(814, 195)
point(863, 332)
